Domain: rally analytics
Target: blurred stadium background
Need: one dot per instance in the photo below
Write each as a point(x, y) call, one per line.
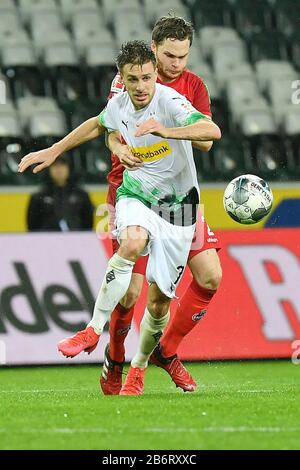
point(57, 62)
point(56, 67)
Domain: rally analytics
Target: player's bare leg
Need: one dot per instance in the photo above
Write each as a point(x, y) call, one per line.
point(207, 273)
point(114, 286)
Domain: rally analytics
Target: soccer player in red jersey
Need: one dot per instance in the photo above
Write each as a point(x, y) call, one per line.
point(171, 41)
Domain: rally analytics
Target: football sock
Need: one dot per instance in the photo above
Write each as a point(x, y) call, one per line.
point(191, 308)
point(150, 332)
point(114, 286)
point(119, 326)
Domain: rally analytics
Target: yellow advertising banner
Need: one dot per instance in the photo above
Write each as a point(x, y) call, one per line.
point(13, 208)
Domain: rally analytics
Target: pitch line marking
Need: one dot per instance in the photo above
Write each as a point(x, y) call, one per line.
point(227, 429)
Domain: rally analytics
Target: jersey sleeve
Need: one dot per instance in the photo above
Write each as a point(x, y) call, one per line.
point(107, 117)
point(182, 111)
point(201, 98)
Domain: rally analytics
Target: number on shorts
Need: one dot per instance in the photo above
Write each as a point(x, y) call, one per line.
point(180, 271)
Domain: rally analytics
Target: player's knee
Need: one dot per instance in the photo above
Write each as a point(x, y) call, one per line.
point(211, 280)
point(131, 249)
point(159, 307)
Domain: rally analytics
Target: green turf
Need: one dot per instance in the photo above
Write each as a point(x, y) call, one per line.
point(238, 405)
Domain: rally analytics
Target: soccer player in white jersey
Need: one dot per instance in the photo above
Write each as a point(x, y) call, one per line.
point(157, 202)
point(171, 40)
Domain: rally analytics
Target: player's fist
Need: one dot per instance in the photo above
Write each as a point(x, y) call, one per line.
point(126, 157)
point(151, 126)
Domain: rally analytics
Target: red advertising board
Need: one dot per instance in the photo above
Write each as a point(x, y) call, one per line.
point(256, 312)
point(46, 294)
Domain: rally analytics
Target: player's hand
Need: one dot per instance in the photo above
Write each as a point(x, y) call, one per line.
point(42, 158)
point(128, 160)
point(151, 126)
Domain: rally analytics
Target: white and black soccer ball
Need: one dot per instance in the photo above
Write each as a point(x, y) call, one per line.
point(248, 199)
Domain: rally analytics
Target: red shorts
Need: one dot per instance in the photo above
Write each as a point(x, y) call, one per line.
point(204, 239)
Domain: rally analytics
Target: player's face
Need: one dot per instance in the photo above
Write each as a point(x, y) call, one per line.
point(172, 56)
point(140, 83)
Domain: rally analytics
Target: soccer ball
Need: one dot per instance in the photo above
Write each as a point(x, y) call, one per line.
point(247, 199)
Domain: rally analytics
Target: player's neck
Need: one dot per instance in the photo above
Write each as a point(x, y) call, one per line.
point(165, 79)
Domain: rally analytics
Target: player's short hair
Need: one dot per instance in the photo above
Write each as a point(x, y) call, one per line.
point(135, 52)
point(172, 27)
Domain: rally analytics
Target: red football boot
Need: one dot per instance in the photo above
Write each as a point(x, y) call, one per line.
point(85, 340)
point(176, 370)
point(111, 377)
point(134, 383)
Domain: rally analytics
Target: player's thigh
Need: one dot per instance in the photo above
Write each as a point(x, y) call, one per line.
point(206, 268)
point(158, 303)
point(133, 227)
point(133, 240)
point(134, 291)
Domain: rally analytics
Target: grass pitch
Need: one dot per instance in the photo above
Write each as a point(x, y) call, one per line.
point(238, 405)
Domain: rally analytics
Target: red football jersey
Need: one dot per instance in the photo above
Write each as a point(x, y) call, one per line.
point(187, 84)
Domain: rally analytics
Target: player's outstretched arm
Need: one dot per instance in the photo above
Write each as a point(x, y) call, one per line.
point(122, 151)
point(88, 130)
point(201, 130)
point(201, 145)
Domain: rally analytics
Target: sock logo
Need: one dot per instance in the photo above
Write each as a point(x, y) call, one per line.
point(157, 335)
point(123, 331)
point(110, 276)
point(198, 316)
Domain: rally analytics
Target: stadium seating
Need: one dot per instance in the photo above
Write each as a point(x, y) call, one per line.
point(287, 15)
point(57, 60)
point(267, 70)
point(111, 7)
point(157, 8)
point(240, 92)
point(8, 6)
point(294, 42)
point(12, 145)
point(229, 158)
point(210, 36)
point(252, 16)
point(206, 13)
point(268, 45)
point(28, 8)
point(5, 89)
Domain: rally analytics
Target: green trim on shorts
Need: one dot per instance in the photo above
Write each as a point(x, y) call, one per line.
point(133, 188)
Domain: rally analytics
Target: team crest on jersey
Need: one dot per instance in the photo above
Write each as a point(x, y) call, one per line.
point(151, 153)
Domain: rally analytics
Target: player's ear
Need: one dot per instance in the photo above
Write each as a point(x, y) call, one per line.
point(153, 46)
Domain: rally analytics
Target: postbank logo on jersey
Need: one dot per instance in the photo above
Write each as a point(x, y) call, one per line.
point(151, 153)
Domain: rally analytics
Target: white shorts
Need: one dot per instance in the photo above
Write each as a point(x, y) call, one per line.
point(168, 245)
